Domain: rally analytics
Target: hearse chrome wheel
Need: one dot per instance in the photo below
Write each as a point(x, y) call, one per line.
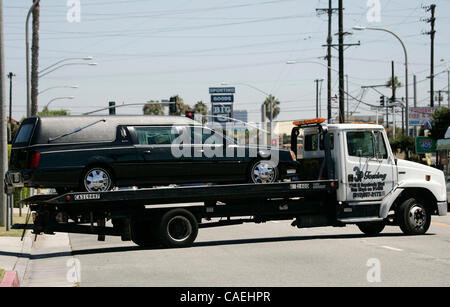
point(263, 172)
point(97, 180)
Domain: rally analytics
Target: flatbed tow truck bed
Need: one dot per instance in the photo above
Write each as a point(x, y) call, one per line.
point(141, 213)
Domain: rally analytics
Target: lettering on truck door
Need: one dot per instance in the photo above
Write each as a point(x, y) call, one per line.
point(369, 166)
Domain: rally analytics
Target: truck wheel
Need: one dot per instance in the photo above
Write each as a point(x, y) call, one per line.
point(144, 234)
point(371, 229)
point(178, 228)
point(263, 171)
point(412, 217)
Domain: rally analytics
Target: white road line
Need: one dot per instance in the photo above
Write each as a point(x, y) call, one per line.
point(392, 248)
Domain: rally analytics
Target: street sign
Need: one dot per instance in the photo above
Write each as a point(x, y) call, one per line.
point(425, 145)
point(419, 116)
point(222, 112)
point(222, 90)
point(222, 98)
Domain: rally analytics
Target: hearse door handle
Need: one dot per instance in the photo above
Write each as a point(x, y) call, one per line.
point(147, 152)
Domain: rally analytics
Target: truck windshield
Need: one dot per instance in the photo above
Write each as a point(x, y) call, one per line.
point(24, 134)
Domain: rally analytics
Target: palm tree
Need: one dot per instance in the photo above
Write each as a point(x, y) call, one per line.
point(276, 108)
point(180, 107)
point(201, 108)
point(35, 61)
point(152, 108)
point(393, 83)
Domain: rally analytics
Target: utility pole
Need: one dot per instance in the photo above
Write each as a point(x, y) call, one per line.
point(3, 136)
point(341, 64)
point(10, 76)
point(35, 61)
point(394, 87)
point(330, 10)
point(432, 34)
point(415, 92)
point(317, 81)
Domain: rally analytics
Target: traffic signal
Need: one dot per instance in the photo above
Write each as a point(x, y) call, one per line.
point(382, 101)
point(190, 114)
point(173, 105)
point(112, 108)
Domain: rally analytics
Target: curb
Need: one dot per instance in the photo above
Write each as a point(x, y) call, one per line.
point(10, 279)
point(22, 262)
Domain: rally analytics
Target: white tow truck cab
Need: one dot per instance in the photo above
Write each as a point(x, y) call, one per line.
point(371, 179)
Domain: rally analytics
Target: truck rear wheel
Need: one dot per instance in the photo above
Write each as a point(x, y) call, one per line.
point(413, 217)
point(178, 228)
point(371, 229)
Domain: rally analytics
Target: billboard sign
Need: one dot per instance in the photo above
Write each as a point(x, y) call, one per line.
point(222, 112)
point(419, 116)
point(222, 98)
point(222, 90)
point(425, 145)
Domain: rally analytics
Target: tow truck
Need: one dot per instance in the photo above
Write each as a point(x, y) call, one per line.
point(347, 174)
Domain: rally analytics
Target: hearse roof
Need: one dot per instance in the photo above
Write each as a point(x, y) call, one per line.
point(103, 127)
point(115, 120)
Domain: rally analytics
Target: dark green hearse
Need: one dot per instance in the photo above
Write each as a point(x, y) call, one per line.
point(99, 153)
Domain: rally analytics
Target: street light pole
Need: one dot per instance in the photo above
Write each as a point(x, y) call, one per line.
point(406, 68)
point(27, 55)
point(62, 86)
point(268, 96)
point(57, 98)
point(88, 58)
point(68, 64)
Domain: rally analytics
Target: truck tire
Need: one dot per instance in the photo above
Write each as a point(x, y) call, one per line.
point(413, 217)
point(371, 229)
point(178, 228)
point(144, 234)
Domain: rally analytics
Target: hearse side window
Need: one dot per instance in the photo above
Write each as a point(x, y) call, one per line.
point(360, 144)
point(154, 135)
point(24, 134)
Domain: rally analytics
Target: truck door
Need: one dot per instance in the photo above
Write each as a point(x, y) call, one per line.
point(369, 166)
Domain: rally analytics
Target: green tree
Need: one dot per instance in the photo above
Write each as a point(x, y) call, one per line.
point(403, 143)
point(201, 108)
point(47, 112)
point(276, 108)
point(180, 107)
point(152, 108)
point(440, 123)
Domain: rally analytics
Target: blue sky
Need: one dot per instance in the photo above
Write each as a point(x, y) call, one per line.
point(150, 50)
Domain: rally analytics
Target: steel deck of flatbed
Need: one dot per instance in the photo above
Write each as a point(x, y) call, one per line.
point(173, 195)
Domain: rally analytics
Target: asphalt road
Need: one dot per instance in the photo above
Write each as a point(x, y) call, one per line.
point(274, 254)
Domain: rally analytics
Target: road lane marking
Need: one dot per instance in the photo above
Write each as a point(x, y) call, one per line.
point(392, 248)
point(440, 224)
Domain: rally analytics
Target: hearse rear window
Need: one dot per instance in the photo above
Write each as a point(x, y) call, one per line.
point(24, 134)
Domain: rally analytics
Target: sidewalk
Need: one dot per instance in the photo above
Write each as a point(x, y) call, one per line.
point(44, 262)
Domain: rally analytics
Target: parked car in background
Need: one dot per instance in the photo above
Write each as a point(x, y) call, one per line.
point(98, 153)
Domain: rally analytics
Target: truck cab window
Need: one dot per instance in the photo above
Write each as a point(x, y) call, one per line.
point(360, 144)
point(311, 142)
